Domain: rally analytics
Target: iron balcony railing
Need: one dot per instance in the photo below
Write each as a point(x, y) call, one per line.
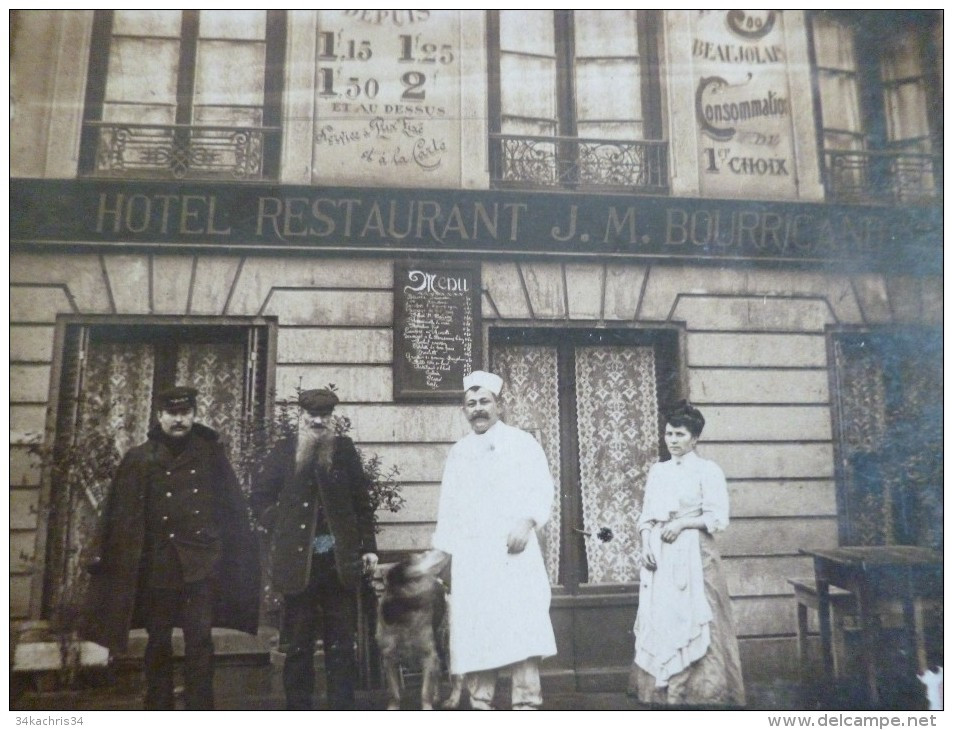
point(182, 151)
point(577, 162)
point(886, 178)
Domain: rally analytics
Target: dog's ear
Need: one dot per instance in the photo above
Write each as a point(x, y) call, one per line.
point(403, 572)
point(431, 561)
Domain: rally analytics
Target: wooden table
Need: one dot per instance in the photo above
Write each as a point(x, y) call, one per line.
point(875, 574)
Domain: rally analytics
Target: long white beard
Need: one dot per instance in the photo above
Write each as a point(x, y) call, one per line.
point(311, 447)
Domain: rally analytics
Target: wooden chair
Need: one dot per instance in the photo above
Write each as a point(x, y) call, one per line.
point(843, 611)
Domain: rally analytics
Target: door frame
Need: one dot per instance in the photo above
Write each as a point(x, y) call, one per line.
point(591, 621)
point(55, 402)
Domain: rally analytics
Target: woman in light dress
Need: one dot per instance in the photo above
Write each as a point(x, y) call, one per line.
point(686, 649)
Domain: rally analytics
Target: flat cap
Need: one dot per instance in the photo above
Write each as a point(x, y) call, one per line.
point(181, 396)
point(320, 399)
point(483, 379)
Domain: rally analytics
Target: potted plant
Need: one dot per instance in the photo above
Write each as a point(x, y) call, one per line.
point(79, 470)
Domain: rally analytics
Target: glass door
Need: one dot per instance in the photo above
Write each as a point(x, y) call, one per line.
point(592, 398)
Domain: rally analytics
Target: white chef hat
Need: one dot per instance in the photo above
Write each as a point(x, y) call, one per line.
point(483, 379)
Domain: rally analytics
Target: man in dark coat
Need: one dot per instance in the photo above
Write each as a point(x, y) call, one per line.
point(174, 548)
point(314, 497)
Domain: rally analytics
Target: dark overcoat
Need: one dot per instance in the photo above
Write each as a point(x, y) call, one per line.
point(287, 504)
point(114, 603)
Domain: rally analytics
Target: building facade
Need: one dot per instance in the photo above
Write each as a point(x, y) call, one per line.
point(612, 209)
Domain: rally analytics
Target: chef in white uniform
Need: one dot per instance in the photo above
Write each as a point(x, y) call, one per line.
point(496, 491)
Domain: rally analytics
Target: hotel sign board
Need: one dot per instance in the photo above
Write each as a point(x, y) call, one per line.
point(269, 219)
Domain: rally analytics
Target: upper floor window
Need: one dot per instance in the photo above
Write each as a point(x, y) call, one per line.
point(574, 99)
point(184, 94)
point(881, 111)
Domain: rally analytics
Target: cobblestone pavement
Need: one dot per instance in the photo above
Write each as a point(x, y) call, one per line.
point(781, 695)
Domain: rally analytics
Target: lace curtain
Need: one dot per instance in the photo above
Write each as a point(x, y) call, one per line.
point(119, 382)
point(891, 438)
point(531, 402)
point(112, 415)
point(617, 415)
point(216, 370)
point(118, 392)
point(114, 397)
point(617, 421)
point(863, 424)
point(919, 428)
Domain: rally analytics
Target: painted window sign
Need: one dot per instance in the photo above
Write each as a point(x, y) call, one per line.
point(387, 97)
point(742, 105)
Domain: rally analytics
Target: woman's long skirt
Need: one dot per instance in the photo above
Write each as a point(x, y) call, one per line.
point(715, 679)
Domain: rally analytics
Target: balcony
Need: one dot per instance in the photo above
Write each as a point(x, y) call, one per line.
point(182, 152)
point(576, 163)
point(883, 178)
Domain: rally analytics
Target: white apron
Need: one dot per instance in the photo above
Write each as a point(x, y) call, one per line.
point(499, 603)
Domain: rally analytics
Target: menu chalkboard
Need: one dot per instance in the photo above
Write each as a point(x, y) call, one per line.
point(437, 334)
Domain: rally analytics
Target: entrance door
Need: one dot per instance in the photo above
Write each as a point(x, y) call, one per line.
point(592, 398)
point(110, 374)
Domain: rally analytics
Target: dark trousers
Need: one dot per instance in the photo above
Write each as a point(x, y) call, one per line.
point(192, 606)
point(325, 595)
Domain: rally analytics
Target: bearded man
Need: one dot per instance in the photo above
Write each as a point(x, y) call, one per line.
point(314, 497)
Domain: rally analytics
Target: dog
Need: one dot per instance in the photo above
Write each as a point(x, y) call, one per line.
point(412, 624)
